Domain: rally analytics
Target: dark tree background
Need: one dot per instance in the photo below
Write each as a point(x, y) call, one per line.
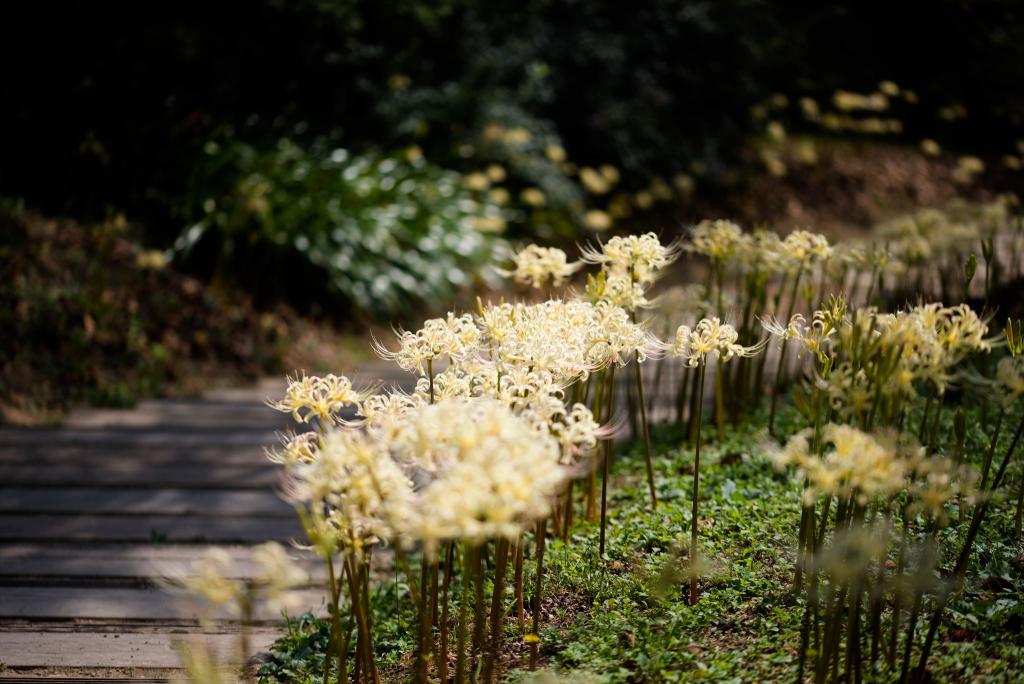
point(107, 104)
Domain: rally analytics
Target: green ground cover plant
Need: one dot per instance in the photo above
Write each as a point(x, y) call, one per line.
point(628, 619)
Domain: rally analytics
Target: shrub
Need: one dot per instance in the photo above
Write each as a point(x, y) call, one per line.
point(385, 231)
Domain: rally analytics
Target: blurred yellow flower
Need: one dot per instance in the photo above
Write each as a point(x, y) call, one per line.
point(773, 163)
point(810, 109)
point(610, 173)
point(493, 131)
point(660, 190)
point(684, 183)
point(806, 152)
point(595, 219)
point(489, 224)
point(953, 112)
point(643, 200)
point(517, 136)
point(414, 153)
point(930, 147)
point(889, 88)
point(496, 172)
point(555, 153)
point(500, 196)
point(476, 181)
point(967, 168)
point(846, 101)
point(593, 181)
point(152, 259)
point(533, 197)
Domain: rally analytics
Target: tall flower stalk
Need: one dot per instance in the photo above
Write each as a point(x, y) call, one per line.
point(709, 338)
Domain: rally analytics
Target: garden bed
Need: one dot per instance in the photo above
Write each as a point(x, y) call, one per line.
point(625, 618)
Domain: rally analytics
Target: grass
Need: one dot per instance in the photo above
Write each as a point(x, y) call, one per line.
point(626, 619)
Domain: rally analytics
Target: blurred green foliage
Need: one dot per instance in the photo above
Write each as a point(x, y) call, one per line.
point(387, 231)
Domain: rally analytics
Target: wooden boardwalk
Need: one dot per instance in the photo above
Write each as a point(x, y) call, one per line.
point(96, 513)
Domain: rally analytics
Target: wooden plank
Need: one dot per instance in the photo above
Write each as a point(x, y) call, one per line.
point(213, 502)
point(11, 551)
point(110, 453)
point(144, 562)
point(39, 649)
point(181, 413)
point(144, 528)
point(149, 604)
point(87, 675)
point(135, 473)
point(176, 438)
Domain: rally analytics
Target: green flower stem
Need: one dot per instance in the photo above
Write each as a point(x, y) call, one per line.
point(610, 408)
point(646, 432)
point(518, 579)
point(738, 396)
point(410, 579)
point(360, 605)
point(430, 375)
point(777, 384)
point(776, 304)
point(681, 396)
point(470, 569)
point(566, 520)
point(538, 594)
point(492, 665)
point(1018, 518)
point(694, 516)
point(334, 633)
point(720, 398)
point(442, 648)
point(479, 615)
point(987, 463)
point(598, 410)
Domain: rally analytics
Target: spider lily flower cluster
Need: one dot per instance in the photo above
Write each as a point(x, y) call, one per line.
point(540, 267)
point(505, 436)
point(878, 486)
point(710, 337)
